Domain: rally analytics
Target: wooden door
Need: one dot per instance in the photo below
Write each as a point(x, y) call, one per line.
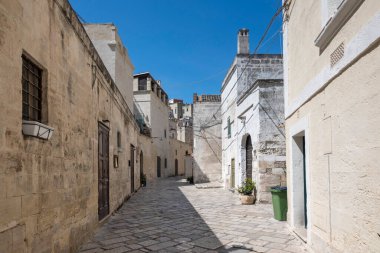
point(176, 167)
point(158, 166)
point(103, 171)
point(248, 159)
point(232, 177)
point(141, 163)
point(132, 168)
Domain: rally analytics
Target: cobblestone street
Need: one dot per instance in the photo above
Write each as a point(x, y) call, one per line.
point(173, 216)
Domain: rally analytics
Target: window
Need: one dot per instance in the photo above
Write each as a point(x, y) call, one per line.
point(166, 163)
point(118, 139)
point(31, 91)
point(165, 133)
point(142, 84)
point(175, 152)
point(229, 127)
point(335, 14)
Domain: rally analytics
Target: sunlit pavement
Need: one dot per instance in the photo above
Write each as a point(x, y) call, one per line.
point(173, 216)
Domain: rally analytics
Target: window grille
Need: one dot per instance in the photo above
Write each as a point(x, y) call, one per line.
point(31, 91)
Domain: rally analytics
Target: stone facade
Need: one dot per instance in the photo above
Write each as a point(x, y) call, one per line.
point(114, 55)
point(49, 188)
point(253, 121)
point(207, 139)
point(332, 112)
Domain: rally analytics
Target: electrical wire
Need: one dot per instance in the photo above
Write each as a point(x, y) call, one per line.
point(279, 10)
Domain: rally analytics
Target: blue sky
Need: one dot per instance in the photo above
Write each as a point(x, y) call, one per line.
point(187, 44)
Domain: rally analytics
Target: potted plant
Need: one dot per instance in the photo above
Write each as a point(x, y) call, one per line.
point(190, 180)
point(143, 180)
point(247, 196)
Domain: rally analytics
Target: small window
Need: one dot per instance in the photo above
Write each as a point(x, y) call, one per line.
point(175, 152)
point(118, 139)
point(142, 85)
point(229, 127)
point(166, 163)
point(31, 91)
point(165, 133)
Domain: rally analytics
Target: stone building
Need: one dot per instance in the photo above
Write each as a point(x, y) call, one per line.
point(115, 57)
point(176, 108)
point(207, 150)
point(332, 112)
point(151, 109)
point(182, 115)
point(69, 142)
point(252, 112)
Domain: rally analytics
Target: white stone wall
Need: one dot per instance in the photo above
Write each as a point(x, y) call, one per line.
point(229, 145)
point(337, 109)
point(207, 142)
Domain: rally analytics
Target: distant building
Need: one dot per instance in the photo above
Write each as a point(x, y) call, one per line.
point(207, 154)
point(332, 111)
point(152, 111)
point(253, 137)
point(176, 108)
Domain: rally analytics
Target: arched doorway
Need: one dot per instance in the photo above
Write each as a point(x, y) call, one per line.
point(248, 157)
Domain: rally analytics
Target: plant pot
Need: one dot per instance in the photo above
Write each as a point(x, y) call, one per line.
point(37, 129)
point(247, 199)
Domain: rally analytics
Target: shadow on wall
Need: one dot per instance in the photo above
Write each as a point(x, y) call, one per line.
point(161, 218)
point(201, 177)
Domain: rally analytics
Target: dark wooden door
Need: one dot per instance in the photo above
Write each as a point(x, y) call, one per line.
point(158, 166)
point(141, 163)
point(249, 149)
point(103, 171)
point(132, 168)
point(176, 167)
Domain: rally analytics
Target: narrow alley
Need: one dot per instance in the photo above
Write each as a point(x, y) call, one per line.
point(170, 215)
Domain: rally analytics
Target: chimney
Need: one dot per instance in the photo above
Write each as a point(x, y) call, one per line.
point(243, 41)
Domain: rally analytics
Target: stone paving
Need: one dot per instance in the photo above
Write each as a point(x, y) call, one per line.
point(173, 216)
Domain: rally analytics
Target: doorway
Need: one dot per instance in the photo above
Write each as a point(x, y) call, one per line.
point(132, 168)
point(103, 171)
point(232, 176)
point(158, 166)
point(300, 184)
point(248, 157)
point(141, 163)
point(176, 167)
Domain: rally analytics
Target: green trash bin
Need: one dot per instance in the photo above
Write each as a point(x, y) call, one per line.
point(280, 202)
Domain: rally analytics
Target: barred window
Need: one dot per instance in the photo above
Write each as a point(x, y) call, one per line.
point(31, 90)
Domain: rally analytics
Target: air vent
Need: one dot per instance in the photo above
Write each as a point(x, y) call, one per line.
point(337, 55)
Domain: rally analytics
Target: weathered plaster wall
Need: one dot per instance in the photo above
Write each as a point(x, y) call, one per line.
point(115, 57)
point(271, 150)
point(207, 142)
point(49, 189)
point(340, 123)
